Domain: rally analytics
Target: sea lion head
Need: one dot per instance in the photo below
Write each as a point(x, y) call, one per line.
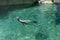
point(17, 17)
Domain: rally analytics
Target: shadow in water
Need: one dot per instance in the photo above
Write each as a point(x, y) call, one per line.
point(58, 15)
point(41, 36)
point(3, 12)
point(4, 9)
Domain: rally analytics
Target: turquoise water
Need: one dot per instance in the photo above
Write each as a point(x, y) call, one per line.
point(11, 29)
point(58, 23)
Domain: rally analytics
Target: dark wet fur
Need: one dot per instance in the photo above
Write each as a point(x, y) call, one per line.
point(34, 21)
point(18, 19)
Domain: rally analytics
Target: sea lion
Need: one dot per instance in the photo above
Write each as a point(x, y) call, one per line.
point(25, 21)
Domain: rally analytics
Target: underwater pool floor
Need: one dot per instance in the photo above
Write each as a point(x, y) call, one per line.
point(45, 29)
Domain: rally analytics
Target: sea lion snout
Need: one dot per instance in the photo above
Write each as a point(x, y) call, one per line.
point(17, 17)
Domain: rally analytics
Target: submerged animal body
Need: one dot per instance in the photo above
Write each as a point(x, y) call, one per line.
point(25, 21)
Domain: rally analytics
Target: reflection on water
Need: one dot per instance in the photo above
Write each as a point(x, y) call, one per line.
point(11, 29)
point(58, 14)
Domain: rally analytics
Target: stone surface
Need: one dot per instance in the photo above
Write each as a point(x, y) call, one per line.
point(15, 2)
